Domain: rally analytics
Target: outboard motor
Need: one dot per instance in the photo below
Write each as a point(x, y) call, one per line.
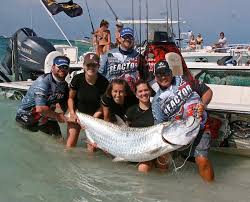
point(25, 56)
point(227, 61)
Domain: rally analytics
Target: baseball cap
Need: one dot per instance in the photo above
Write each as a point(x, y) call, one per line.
point(127, 31)
point(61, 61)
point(162, 67)
point(119, 24)
point(91, 58)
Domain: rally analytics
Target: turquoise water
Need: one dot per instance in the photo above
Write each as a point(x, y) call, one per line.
point(35, 167)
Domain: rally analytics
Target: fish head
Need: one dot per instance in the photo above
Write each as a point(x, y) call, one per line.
point(181, 132)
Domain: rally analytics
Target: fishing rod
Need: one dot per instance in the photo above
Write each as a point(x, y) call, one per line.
point(167, 17)
point(116, 17)
point(133, 17)
point(147, 18)
point(179, 28)
point(90, 19)
point(140, 24)
point(171, 16)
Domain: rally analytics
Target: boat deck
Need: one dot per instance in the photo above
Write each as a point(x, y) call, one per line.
point(222, 101)
point(18, 85)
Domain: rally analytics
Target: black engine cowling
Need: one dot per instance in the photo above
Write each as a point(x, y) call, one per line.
point(25, 56)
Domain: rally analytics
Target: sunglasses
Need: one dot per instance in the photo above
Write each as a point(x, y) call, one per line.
point(128, 37)
point(64, 67)
point(94, 65)
point(159, 75)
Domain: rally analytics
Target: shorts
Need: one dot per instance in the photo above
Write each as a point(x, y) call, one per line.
point(201, 145)
point(50, 127)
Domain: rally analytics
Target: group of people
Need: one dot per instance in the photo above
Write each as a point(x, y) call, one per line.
point(116, 86)
point(197, 43)
point(102, 37)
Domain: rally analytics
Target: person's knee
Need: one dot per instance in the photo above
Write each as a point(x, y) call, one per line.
point(145, 167)
point(73, 131)
point(205, 168)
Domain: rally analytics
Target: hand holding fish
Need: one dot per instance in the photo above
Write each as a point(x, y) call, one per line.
point(73, 117)
point(200, 109)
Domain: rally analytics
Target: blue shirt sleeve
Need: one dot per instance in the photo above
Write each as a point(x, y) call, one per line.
point(41, 92)
point(103, 65)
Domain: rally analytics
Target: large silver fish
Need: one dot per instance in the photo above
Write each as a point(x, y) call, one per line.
point(139, 144)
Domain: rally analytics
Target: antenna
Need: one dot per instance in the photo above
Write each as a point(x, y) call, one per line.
point(179, 28)
point(31, 19)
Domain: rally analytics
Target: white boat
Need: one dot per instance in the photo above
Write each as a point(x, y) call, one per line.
point(230, 104)
point(239, 52)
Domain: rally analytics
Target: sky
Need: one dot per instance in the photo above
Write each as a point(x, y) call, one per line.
point(208, 17)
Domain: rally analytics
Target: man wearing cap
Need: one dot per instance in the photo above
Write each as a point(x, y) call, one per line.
point(168, 103)
point(124, 61)
point(49, 91)
point(85, 94)
point(118, 38)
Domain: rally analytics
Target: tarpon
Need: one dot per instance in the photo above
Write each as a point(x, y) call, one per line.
point(139, 144)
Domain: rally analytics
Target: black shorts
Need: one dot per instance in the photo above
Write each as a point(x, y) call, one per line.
point(51, 127)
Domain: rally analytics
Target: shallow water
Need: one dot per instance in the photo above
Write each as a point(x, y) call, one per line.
point(35, 167)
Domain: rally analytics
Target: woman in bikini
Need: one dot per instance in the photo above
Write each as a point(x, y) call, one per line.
point(102, 38)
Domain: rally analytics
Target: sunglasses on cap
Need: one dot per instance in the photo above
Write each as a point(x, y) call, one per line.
point(161, 74)
point(129, 37)
point(64, 67)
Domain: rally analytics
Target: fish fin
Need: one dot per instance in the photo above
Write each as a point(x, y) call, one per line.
point(153, 150)
point(89, 139)
point(118, 159)
point(119, 121)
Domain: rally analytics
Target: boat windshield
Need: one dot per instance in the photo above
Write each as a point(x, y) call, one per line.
point(222, 77)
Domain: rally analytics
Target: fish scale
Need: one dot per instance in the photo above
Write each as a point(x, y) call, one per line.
point(139, 144)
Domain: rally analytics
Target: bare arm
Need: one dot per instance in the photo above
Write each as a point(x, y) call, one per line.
point(106, 114)
point(206, 98)
point(109, 39)
point(46, 111)
point(98, 113)
point(71, 105)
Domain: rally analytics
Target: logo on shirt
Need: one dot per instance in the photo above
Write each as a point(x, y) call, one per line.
point(173, 104)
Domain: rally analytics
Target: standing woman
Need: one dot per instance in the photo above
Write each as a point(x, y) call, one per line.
point(140, 115)
point(84, 95)
point(102, 38)
point(192, 43)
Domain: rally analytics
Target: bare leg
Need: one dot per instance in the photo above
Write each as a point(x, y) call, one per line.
point(145, 167)
point(91, 148)
point(162, 162)
point(205, 168)
point(73, 132)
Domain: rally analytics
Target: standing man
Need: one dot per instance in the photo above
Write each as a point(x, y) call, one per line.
point(124, 61)
point(49, 92)
point(168, 104)
point(118, 38)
